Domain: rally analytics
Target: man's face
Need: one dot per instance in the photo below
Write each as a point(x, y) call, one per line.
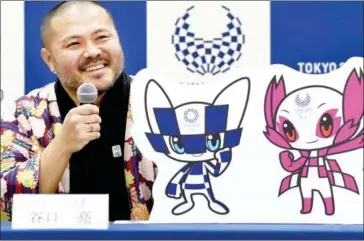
point(84, 47)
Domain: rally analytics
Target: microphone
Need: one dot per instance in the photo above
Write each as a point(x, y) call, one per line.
point(87, 93)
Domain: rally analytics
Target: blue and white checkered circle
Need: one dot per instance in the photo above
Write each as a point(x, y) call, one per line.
point(208, 56)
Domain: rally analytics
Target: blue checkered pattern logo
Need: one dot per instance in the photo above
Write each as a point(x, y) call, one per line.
point(208, 56)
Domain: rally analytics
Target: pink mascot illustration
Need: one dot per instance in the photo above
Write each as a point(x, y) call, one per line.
point(317, 121)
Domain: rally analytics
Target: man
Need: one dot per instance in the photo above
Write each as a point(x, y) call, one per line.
point(52, 144)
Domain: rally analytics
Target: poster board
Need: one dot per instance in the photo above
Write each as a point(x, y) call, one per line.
point(268, 146)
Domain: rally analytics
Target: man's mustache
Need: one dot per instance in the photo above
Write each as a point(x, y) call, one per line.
point(99, 60)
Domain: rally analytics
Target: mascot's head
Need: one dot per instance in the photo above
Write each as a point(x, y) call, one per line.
point(195, 131)
point(313, 117)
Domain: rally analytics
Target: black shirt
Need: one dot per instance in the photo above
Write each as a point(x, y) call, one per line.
point(94, 169)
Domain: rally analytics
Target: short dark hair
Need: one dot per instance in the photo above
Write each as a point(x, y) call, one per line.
point(58, 9)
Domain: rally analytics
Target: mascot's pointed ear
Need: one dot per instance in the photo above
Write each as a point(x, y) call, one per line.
point(155, 97)
point(236, 96)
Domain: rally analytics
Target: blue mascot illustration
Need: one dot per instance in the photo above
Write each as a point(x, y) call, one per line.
point(201, 134)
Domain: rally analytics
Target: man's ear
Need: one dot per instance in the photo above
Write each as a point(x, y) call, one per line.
point(46, 56)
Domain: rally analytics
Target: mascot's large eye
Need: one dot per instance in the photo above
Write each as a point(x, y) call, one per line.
point(177, 144)
point(289, 131)
point(326, 125)
point(213, 142)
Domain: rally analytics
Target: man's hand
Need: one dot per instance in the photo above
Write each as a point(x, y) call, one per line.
point(80, 126)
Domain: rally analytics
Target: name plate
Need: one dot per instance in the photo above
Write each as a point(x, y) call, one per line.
point(60, 211)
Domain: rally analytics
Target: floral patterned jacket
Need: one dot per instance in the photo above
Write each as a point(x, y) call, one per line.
point(29, 125)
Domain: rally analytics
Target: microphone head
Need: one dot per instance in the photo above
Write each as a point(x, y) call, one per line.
point(87, 93)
